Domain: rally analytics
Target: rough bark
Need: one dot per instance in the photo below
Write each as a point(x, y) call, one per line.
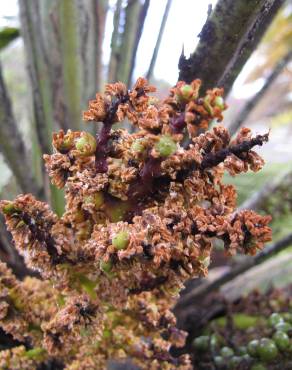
point(205, 289)
point(252, 103)
point(149, 74)
point(230, 34)
point(63, 40)
point(12, 145)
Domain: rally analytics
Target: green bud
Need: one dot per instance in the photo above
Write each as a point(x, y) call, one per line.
point(121, 240)
point(97, 199)
point(105, 266)
point(205, 261)
point(252, 347)
point(219, 102)
point(274, 319)
point(35, 353)
point(86, 144)
point(235, 361)
point(258, 366)
point(207, 105)
point(9, 208)
point(227, 352)
point(283, 326)
point(219, 360)
point(186, 92)
point(267, 350)
point(201, 343)
point(287, 316)
point(166, 146)
point(137, 146)
point(242, 350)
point(282, 340)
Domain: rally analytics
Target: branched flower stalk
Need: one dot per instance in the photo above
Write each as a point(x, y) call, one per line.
point(142, 212)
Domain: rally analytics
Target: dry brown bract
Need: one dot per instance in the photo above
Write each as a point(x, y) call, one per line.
point(142, 213)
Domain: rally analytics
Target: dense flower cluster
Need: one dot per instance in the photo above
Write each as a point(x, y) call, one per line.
point(143, 207)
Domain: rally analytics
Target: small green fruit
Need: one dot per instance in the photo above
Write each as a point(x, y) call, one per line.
point(235, 361)
point(282, 340)
point(201, 343)
point(121, 240)
point(219, 102)
point(283, 326)
point(267, 350)
point(106, 266)
point(166, 146)
point(227, 352)
point(9, 208)
point(35, 353)
point(242, 350)
point(186, 92)
point(219, 360)
point(274, 319)
point(258, 367)
point(97, 199)
point(86, 144)
point(252, 347)
point(137, 146)
point(287, 316)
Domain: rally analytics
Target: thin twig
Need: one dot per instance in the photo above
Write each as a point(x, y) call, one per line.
point(204, 289)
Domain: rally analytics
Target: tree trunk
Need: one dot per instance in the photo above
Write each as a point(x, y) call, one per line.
point(63, 40)
point(12, 145)
point(229, 36)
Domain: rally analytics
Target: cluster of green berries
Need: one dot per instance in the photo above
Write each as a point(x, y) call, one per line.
point(258, 354)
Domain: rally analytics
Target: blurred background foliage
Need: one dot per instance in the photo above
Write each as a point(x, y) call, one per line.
point(57, 54)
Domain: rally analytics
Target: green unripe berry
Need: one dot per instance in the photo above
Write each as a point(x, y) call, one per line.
point(66, 144)
point(97, 199)
point(219, 360)
point(86, 144)
point(137, 146)
point(283, 326)
point(246, 358)
point(235, 361)
point(227, 352)
point(219, 102)
point(215, 341)
point(106, 266)
point(35, 353)
point(258, 367)
point(252, 347)
point(201, 343)
point(267, 350)
point(165, 146)
point(287, 316)
point(207, 105)
point(9, 208)
point(242, 350)
point(186, 92)
point(282, 340)
point(121, 240)
point(205, 261)
point(274, 319)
